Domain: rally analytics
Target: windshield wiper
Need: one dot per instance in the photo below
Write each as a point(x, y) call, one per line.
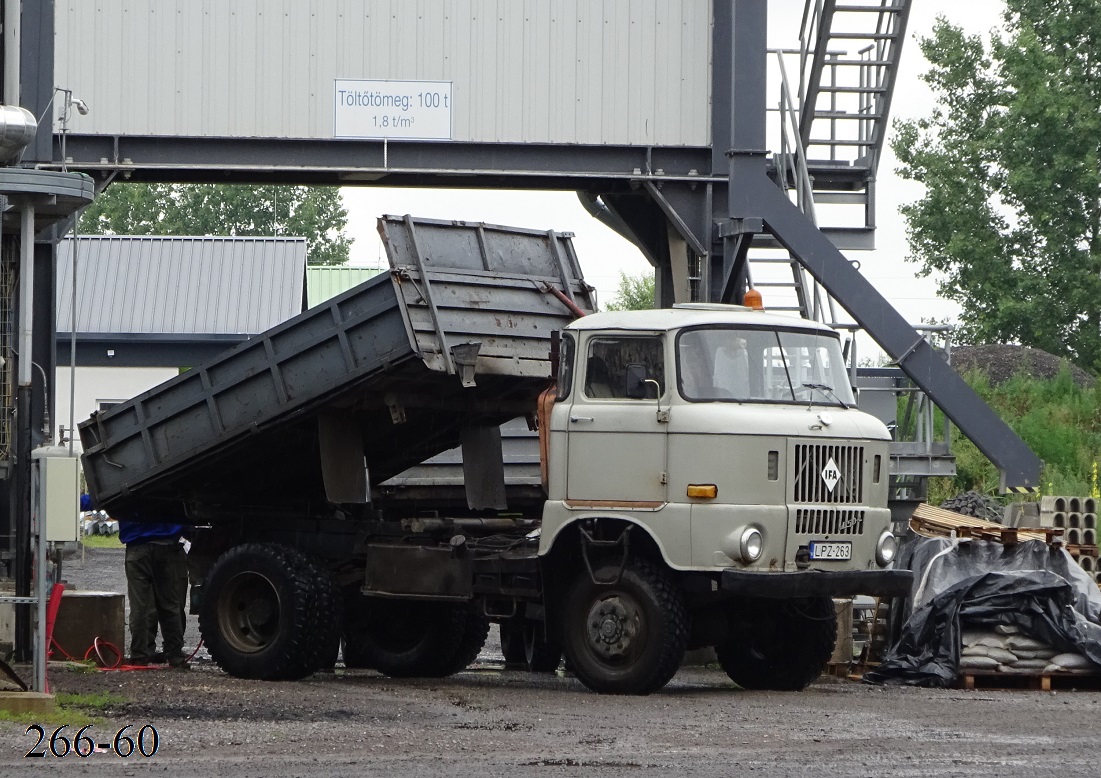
point(828, 391)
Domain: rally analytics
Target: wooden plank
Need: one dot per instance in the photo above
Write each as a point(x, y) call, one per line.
point(1070, 680)
point(930, 521)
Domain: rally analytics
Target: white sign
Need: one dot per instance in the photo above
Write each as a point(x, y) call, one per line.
point(831, 475)
point(392, 109)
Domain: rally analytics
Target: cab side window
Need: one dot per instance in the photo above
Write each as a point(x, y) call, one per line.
point(606, 365)
point(565, 367)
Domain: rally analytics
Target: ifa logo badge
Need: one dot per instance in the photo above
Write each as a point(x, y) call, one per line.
point(831, 475)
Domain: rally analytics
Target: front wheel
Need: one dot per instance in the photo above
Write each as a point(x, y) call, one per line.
point(781, 645)
point(628, 637)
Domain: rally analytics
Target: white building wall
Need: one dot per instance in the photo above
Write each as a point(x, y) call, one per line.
point(102, 384)
point(548, 71)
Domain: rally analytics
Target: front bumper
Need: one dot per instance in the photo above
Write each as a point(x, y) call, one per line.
point(818, 583)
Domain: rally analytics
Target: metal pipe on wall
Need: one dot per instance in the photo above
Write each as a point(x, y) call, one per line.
point(26, 293)
point(11, 52)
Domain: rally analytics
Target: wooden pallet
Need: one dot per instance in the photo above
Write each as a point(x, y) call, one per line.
point(1069, 680)
point(1077, 551)
point(937, 522)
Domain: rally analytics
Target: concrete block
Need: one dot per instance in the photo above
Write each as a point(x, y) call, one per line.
point(26, 702)
point(1074, 504)
point(1022, 514)
point(1074, 520)
point(1049, 504)
point(85, 615)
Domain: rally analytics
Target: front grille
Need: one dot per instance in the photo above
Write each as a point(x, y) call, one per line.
point(811, 459)
point(828, 521)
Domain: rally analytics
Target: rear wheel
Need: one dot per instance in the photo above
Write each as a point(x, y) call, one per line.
point(778, 644)
point(405, 639)
point(628, 637)
point(541, 654)
point(262, 614)
point(512, 642)
point(475, 633)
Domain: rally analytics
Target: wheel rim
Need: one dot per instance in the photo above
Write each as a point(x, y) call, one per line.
point(248, 612)
point(615, 629)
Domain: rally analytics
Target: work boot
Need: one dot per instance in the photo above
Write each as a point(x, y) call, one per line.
point(179, 662)
point(137, 661)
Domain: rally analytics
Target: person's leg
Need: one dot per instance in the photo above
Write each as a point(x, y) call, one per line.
point(172, 566)
point(139, 591)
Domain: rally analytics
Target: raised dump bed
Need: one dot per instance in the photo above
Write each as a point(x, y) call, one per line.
point(456, 336)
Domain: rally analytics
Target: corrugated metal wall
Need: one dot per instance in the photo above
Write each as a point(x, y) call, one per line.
point(550, 71)
point(325, 282)
point(180, 285)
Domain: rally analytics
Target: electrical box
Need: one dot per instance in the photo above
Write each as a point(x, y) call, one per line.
point(58, 493)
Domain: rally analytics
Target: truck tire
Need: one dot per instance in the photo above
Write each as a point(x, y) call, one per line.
point(541, 654)
point(260, 613)
point(781, 645)
point(525, 646)
point(405, 639)
point(324, 645)
point(475, 633)
point(512, 642)
point(628, 637)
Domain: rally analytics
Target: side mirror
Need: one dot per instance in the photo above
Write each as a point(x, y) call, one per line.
point(638, 385)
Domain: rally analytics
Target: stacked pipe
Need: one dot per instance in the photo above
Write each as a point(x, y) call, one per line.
point(1006, 649)
point(1078, 517)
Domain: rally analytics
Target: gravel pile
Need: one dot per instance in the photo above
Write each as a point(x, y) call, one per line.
point(1001, 362)
point(972, 503)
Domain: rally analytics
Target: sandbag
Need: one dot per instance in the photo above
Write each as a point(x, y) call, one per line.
point(979, 663)
point(977, 638)
point(1002, 655)
point(1072, 662)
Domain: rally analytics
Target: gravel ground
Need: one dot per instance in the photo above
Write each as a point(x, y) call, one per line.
point(493, 722)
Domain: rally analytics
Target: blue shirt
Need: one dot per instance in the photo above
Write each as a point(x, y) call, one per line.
point(138, 532)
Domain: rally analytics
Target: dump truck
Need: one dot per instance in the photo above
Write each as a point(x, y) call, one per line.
point(704, 477)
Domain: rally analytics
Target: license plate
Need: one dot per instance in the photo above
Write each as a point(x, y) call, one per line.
point(826, 550)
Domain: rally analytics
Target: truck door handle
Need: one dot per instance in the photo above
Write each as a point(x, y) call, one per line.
point(581, 418)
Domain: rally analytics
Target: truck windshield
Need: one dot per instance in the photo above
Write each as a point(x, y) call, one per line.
point(761, 365)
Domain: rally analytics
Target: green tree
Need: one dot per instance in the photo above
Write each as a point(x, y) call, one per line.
point(635, 293)
point(313, 212)
point(1011, 214)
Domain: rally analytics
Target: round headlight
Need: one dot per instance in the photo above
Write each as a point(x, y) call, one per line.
point(751, 545)
point(886, 549)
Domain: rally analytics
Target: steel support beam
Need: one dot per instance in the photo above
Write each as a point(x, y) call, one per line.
point(457, 164)
point(754, 195)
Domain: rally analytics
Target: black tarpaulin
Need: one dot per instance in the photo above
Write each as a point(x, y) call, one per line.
point(1032, 586)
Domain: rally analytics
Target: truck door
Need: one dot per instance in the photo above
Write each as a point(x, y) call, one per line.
point(617, 446)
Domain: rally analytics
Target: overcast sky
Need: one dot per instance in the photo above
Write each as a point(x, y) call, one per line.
point(604, 254)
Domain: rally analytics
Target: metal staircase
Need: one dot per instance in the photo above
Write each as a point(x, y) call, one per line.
point(832, 123)
point(847, 96)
